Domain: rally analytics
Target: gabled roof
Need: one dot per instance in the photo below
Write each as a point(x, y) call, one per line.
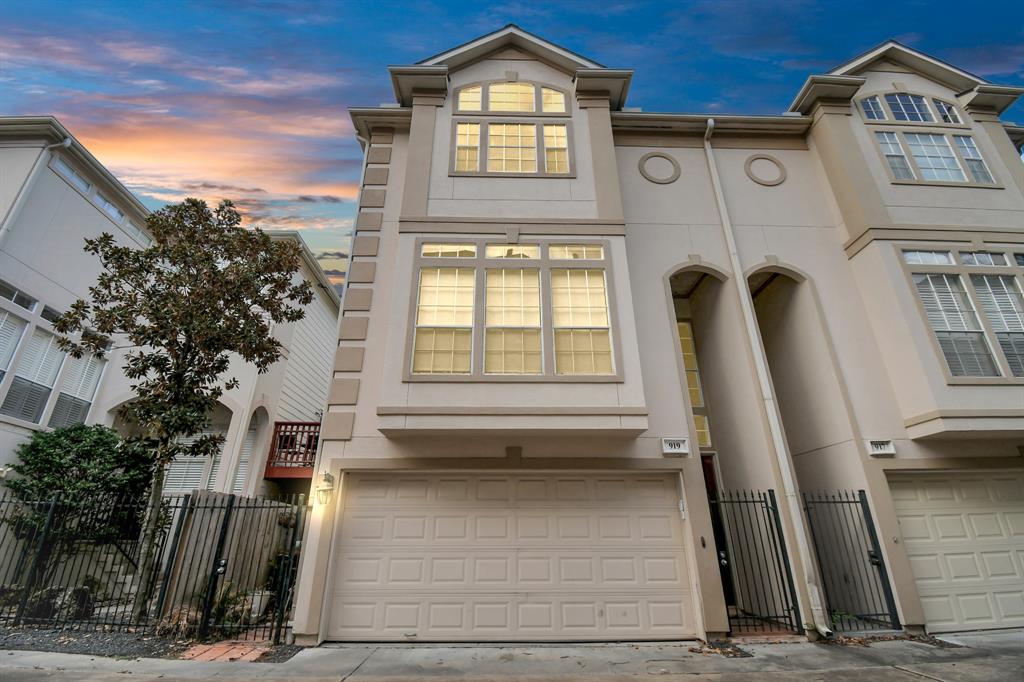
point(511, 35)
point(915, 60)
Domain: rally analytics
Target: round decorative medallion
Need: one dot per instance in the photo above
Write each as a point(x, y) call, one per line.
point(659, 168)
point(765, 170)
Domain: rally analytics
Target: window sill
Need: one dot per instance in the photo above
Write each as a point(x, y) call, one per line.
point(514, 378)
point(984, 381)
point(625, 421)
point(945, 183)
point(924, 125)
point(490, 174)
point(513, 114)
point(21, 423)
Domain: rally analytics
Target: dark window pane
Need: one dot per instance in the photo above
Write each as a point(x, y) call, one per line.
point(25, 400)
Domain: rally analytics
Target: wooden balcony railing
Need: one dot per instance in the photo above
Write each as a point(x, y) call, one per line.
point(293, 450)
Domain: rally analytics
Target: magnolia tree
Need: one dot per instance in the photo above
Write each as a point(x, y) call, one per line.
point(204, 290)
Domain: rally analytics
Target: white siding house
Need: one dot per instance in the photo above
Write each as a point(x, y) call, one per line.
point(53, 195)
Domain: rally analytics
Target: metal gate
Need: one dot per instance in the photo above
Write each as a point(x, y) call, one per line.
point(857, 591)
point(752, 553)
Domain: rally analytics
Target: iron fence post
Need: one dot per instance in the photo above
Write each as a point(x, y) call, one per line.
point(883, 573)
point(215, 570)
point(31, 578)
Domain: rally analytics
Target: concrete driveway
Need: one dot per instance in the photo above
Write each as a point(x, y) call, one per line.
point(981, 657)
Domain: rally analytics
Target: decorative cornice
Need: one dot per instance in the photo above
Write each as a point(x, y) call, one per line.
point(410, 80)
point(365, 119)
point(996, 98)
point(612, 84)
point(825, 88)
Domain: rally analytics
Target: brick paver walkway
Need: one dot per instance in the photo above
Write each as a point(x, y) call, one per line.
point(226, 651)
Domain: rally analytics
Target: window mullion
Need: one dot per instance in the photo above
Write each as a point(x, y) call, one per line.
point(990, 334)
point(964, 167)
point(908, 154)
point(479, 321)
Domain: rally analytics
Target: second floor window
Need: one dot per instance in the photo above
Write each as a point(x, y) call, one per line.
point(974, 304)
point(524, 306)
point(933, 157)
point(497, 148)
point(34, 376)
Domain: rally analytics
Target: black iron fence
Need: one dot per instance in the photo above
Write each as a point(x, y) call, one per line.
point(755, 567)
point(219, 565)
point(856, 583)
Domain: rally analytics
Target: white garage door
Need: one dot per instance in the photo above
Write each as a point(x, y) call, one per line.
point(510, 557)
point(964, 534)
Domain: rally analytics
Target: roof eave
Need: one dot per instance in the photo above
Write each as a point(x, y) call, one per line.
point(310, 260)
point(410, 80)
point(1016, 134)
point(610, 83)
point(364, 119)
point(51, 131)
point(645, 121)
point(998, 98)
point(928, 65)
point(510, 34)
point(825, 87)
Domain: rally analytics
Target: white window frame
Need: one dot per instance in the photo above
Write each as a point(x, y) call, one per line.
point(481, 263)
point(937, 141)
point(950, 142)
point(918, 107)
point(483, 154)
point(967, 273)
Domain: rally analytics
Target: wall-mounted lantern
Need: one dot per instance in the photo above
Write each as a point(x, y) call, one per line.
point(324, 488)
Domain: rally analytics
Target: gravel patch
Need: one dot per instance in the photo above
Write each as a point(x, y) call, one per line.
point(280, 653)
point(111, 644)
point(868, 640)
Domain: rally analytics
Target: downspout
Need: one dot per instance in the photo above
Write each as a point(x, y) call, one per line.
point(821, 623)
point(19, 200)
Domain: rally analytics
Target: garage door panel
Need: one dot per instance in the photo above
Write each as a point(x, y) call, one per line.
point(500, 527)
point(501, 616)
point(640, 491)
point(555, 569)
point(446, 556)
point(961, 534)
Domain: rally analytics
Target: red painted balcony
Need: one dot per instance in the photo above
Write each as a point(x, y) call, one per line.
point(293, 450)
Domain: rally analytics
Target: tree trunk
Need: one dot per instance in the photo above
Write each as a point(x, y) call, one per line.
point(147, 558)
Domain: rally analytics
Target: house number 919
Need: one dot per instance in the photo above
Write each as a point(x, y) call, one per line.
point(675, 446)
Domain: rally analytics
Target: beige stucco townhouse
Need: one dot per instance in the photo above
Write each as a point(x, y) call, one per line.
point(53, 195)
point(571, 324)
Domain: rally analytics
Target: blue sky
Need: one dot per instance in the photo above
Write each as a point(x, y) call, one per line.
point(246, 99)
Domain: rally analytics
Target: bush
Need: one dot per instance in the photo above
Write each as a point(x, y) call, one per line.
point(84, 462)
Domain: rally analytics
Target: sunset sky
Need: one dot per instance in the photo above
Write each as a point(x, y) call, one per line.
point(246, 99)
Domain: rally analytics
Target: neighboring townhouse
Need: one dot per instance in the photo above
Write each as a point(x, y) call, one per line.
point(573, 330)
point(53, 195)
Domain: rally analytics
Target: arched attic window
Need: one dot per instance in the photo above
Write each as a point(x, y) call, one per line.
point(511, 97)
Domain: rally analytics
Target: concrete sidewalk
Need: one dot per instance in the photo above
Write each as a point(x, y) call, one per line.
point(982, 657)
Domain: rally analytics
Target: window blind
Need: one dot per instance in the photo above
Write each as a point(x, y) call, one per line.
point(34, 377)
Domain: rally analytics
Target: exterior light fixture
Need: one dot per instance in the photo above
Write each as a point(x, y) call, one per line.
point(324, 488)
